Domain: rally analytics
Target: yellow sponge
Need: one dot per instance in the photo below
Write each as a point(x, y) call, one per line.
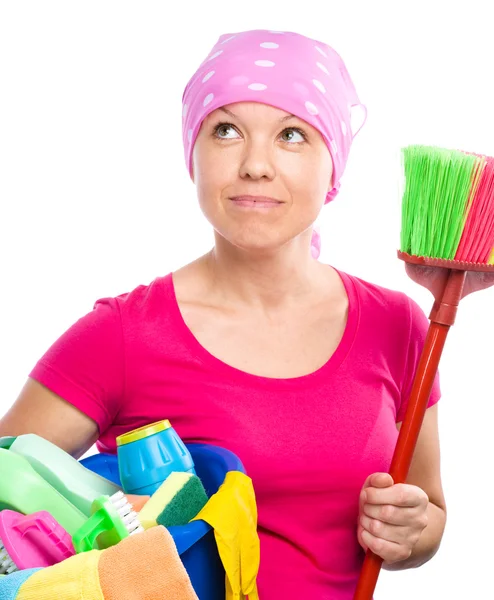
point(179, 498)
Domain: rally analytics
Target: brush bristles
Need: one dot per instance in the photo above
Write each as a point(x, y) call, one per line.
point(448, 204)
point(7, 565)
point(124, 509)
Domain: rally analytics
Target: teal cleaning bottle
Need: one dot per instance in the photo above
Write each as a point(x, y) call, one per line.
point(146, 456)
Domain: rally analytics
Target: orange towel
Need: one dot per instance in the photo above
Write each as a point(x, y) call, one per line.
point(145, 566)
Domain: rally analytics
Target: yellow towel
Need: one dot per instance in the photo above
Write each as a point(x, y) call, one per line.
point(232, 512)
point(75, 578)
point(145, 566)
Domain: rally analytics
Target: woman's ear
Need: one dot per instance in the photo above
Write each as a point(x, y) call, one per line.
point(192, 162)
point(331, 182)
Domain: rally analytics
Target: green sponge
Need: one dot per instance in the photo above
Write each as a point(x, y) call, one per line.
point(189, 499)
point(176, 502)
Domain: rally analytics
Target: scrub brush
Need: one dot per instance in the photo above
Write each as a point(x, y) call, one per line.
point(112, 520)
point(447, 225)
point(31, 541)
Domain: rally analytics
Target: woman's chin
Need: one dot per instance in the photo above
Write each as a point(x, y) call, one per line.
point(258, 246)
point(259, 240)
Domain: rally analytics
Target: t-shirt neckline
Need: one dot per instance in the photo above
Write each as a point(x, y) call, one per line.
point(316, 377)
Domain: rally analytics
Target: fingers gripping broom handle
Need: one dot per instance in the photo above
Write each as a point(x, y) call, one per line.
point(442, 317)
point(407, 440)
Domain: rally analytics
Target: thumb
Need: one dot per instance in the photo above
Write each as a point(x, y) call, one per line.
point(377, 480)
point(381, 480)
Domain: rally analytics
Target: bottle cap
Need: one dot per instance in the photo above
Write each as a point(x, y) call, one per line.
point(143, 432)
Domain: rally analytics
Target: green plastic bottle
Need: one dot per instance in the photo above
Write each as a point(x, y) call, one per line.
point(24, 490)
point(63, 472)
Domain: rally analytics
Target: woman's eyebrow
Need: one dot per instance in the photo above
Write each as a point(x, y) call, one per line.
point(228, 112)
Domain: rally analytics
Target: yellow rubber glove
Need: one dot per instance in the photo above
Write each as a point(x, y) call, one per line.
point(232, 513)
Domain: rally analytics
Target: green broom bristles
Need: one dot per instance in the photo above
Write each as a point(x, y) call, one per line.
point(436, 199)
point(448, 205)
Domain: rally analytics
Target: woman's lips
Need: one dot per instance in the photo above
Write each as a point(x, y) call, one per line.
point(256, 202)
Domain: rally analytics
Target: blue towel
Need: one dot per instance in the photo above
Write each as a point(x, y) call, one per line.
point(10, 584)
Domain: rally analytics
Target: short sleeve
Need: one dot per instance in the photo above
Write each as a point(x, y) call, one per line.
point(85, 365)
point(418, 327)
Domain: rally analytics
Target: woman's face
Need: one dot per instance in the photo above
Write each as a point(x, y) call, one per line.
point(252, 149)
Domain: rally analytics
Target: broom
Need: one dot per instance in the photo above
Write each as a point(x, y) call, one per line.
point(448, 228)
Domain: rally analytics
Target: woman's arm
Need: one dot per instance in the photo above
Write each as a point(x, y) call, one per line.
point(425, 473)
point(38, 410)
point(75, 389)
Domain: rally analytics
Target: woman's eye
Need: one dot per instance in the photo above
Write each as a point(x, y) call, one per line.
point(292, 133)
point(225, 131)
point(220, 130)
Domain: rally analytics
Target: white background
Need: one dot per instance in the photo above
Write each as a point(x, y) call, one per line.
point(95, 198)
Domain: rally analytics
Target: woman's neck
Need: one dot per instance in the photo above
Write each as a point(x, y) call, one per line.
point(265, 281)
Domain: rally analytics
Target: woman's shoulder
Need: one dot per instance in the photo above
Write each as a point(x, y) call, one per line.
point(144, 296)
point(388, 306)
point(375, 295)
point(390, 309)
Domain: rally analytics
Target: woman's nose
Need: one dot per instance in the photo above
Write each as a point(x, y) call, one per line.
point(257, 162)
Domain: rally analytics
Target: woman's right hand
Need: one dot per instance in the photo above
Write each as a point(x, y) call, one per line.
point(434, 279)
point(38, 410)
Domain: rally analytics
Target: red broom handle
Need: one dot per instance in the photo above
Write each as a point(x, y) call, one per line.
point(442, 317)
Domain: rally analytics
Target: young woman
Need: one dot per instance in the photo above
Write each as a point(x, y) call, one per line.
point(302, 370)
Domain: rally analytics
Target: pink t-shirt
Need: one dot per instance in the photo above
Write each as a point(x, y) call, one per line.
point(308, 443)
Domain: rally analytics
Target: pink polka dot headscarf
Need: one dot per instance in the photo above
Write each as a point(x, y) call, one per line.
point(286, 70)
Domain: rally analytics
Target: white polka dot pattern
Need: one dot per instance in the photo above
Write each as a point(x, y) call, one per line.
point(311, 108)
point(207, 77)
point(239, 80)
point(257, 86)
point(215, 55)
point(322, 67)
point(287, 70)
point(208, 99)
point(319, 85)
